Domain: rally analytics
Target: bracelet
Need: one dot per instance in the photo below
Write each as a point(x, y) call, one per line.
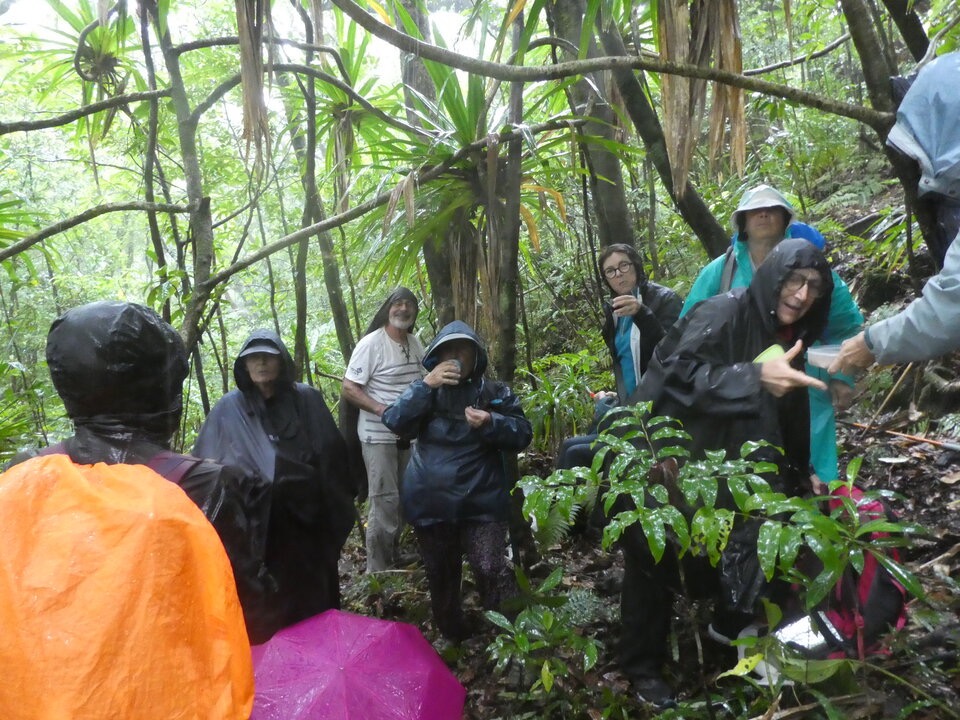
point(866, 340)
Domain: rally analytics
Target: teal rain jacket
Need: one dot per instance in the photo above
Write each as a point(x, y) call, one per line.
point(844, 321)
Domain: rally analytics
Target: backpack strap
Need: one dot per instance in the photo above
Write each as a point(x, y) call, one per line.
point(55, 449)
point(850, 589)
point(172, 466)
point(729, 268)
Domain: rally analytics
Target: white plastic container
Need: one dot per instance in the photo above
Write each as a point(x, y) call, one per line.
point(822, 356)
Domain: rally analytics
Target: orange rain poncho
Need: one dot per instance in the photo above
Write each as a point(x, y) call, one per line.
point(116, 599)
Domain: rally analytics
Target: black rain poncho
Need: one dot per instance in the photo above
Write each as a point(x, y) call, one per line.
point(456, 472)
point(703, 373)
point(291, 442)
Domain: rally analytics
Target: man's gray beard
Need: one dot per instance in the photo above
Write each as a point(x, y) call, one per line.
point(401, 324)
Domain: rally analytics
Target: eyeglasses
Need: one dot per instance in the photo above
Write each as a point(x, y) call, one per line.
point(796, 280)
point(623, 268)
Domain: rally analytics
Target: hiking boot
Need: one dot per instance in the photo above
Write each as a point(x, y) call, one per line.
point(654, 691)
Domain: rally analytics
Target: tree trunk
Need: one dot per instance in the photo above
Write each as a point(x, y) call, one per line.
point(606, 176)
point(876, 70)
point(910, 26)
point(508, 243)
point(304, 140)
point(437, 256)
point(877, 74)
point(688, 202)
point(201, 220)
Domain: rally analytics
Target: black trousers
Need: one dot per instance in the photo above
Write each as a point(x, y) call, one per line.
point(646, 600)
point(442, 547)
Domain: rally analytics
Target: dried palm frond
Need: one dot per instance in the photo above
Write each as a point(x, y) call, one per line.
point(701, 32)
point(727, 116)
point(673, 20)
point(251, 22)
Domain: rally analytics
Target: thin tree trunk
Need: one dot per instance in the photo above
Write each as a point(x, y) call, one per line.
point(452, 274)
point(876, 70)
point(149, 157)
point(508, 245)
point(877, 74)
point(911, 29)
point(201, 220)
point(303, 139)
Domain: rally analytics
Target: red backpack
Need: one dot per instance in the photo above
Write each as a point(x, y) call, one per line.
point(863, 606)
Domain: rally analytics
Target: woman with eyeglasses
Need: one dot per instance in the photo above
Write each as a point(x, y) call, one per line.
point(636, 317)
point(761, 221)
point(714, 372)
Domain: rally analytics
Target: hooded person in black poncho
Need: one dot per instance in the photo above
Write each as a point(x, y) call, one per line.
point(119, 369)
point(281, 431)
point(705, 373)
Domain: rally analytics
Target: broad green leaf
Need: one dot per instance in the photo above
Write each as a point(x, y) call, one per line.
point(768, 546)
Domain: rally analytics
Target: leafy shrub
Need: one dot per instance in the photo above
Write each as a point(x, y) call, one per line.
point(558, 404)
point(686, 517)
point(542, 644)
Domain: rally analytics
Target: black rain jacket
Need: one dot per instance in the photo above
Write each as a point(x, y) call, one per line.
point(703, 373)
point(456, 472)
point(291, 442)
point(119, 369)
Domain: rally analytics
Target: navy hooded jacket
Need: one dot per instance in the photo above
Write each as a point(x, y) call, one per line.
point(456, 471)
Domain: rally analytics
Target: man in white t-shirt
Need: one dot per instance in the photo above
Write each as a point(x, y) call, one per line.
point(385, 361)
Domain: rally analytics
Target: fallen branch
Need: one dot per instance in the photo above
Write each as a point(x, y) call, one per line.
point(801, 710)
point(945, 556)
point(953, 447)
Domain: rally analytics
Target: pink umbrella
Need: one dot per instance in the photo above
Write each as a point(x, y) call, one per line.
point(340, 666)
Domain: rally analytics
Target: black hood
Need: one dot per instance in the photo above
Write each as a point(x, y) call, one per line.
point(263, 336)
point(118, 365)
point(382, 316)
point(457, 330)
point(789, 255)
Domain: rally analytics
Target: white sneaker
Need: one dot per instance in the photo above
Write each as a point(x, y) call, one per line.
point(766, 671)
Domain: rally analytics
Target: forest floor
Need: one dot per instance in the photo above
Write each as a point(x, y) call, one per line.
point(918, 679)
